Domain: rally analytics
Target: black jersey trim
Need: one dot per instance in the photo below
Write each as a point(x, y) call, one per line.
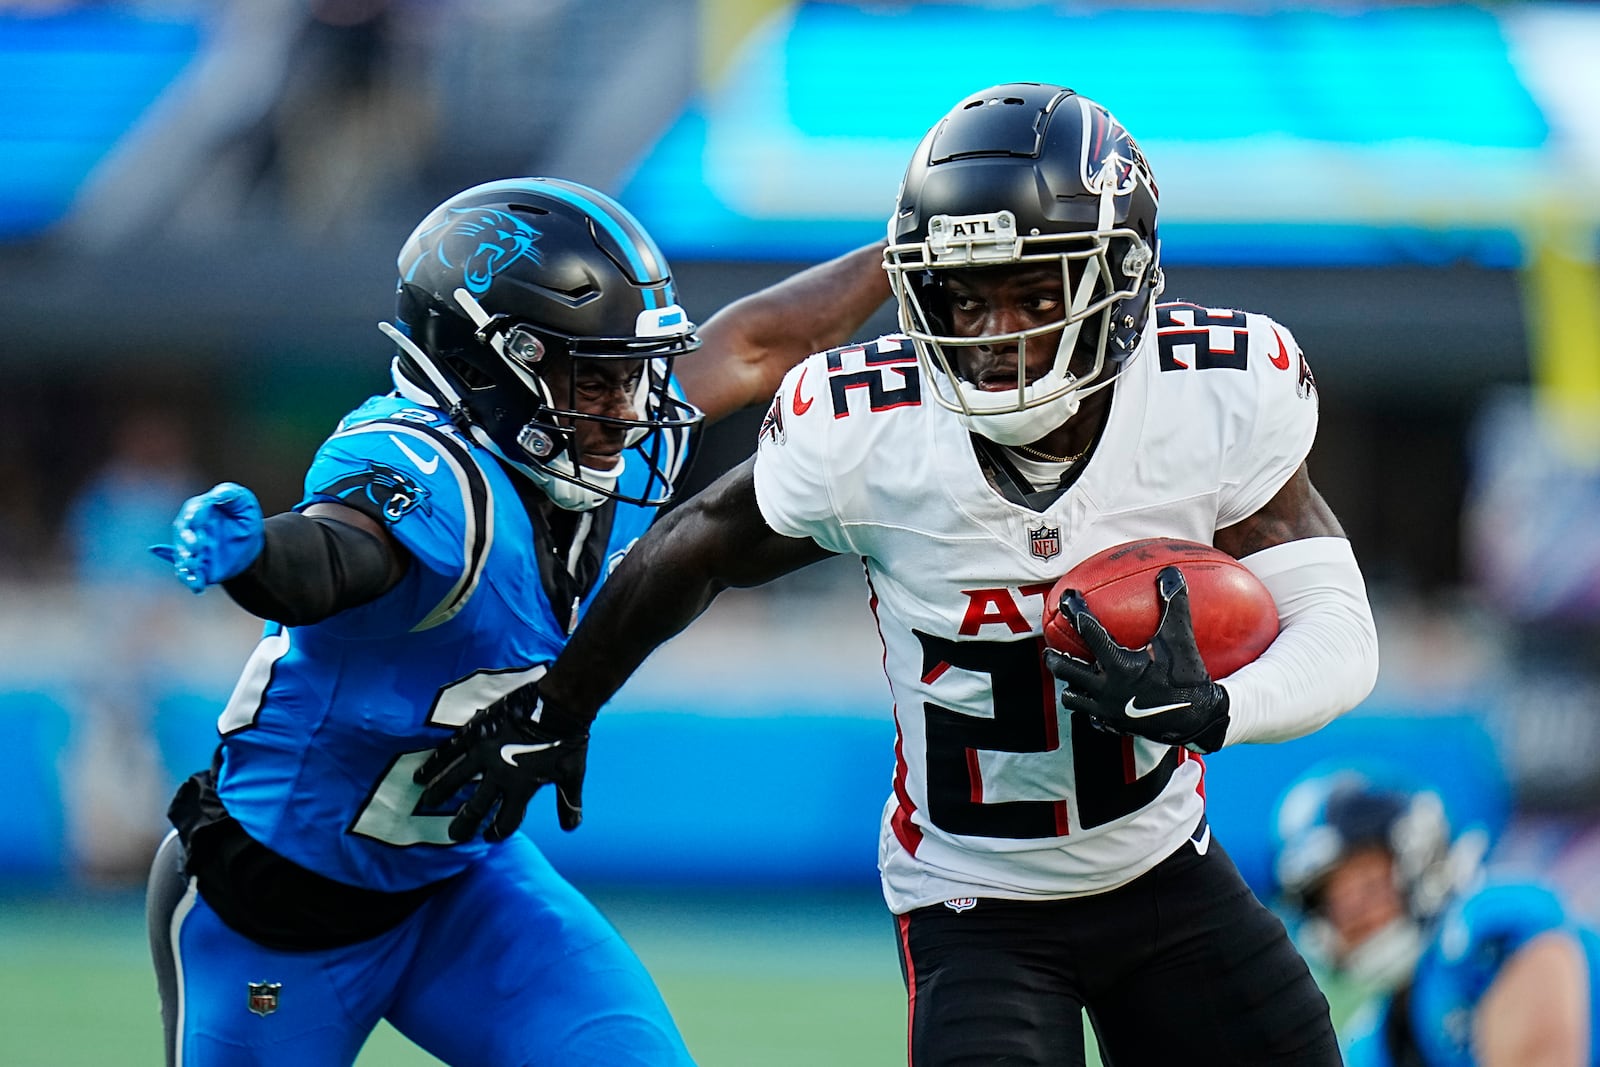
point(477, 498)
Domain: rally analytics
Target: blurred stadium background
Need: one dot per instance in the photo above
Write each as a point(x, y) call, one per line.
point(200, 205)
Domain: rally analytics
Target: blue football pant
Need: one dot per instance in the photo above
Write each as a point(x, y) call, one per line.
point(506, 966)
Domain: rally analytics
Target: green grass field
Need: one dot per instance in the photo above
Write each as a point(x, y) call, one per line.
point(804, 978)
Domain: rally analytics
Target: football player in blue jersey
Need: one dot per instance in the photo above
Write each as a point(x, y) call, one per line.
point(1364, 861)
point(1509, 978)
point(1459, 970)
point(546, 386)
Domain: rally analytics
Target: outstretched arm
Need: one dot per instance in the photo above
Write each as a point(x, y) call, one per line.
point(538, 734)
point(715, 540)
point(748, 346)
point(296, 568)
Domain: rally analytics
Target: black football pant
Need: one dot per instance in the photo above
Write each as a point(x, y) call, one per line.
point(1183, 965)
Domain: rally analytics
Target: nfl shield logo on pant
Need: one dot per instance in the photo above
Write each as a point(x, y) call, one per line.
point(263, 999)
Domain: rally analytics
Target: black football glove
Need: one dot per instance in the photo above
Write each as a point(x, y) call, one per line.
point(516, 745)
point(1161, 691)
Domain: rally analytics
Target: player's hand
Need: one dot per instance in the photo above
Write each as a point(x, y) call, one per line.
point(1161, 691)
point(216, 536)
point(517, 746)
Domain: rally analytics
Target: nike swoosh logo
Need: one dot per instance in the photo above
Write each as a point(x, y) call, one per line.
point(1134, 711)
point(1281, 360)
point(801, 407)
point(425, 467)
point(1202, 842)
point(509, 753)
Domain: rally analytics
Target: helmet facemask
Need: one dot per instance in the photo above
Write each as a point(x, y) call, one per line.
point(546, 446)
point(503, 398)
point(1094, 292)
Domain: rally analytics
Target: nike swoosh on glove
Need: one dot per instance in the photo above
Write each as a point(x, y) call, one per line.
point(517, 745)
point(1162, 691)
point(216, 536)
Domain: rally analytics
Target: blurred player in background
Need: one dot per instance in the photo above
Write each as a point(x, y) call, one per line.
point(1509, 978)
point(545, 391)
point(1435, 965)
point(1039, 407)
point(1364, 863)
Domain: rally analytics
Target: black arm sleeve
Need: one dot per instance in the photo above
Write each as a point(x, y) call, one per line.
point(311, 568)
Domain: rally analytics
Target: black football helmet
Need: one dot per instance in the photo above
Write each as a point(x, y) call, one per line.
point(1016, 174)
point(1326, 817)
point(505, 276)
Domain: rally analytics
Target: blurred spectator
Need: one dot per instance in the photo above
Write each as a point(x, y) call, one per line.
point(1531, 529)
point(1531, 515)
point(128, 504)
point(350, 123)
point(117, 788)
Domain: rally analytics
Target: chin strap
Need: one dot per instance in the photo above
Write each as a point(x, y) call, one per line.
point(564, 494)
point(1386, 958)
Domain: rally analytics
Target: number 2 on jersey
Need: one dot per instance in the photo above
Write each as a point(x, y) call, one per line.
point(390, 813)
point(890, 379)
point(1024, 726)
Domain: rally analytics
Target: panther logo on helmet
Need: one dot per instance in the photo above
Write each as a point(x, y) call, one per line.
point(483, 242)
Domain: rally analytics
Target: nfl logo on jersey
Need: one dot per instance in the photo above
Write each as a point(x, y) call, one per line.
point(263, 999)
point(1045, 542)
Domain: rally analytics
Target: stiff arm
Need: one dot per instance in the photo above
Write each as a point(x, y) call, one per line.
point(714, 541)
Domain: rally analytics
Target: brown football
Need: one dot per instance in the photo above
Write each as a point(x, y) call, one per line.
point(1234, 616)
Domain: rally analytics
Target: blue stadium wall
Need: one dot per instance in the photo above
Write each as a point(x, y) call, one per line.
point(707, 795)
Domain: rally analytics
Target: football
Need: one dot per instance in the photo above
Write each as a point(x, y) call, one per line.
point(1234, 616)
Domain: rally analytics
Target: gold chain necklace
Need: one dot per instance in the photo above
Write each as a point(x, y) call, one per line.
point(1037, 453)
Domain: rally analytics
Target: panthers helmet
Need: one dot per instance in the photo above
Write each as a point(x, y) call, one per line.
point(505, 277)
point(1325, 818)
point(1016, 174)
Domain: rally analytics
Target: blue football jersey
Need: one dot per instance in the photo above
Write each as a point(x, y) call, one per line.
point(329, 721)
point(1473, 940)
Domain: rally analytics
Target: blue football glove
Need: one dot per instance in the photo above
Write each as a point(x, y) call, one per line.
point(1162, 691)
point(216, 536)
point(516, 745)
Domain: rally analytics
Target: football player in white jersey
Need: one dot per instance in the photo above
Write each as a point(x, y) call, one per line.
point(1044, 847)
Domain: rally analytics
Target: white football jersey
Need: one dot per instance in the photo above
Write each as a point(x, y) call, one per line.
point(997, 790)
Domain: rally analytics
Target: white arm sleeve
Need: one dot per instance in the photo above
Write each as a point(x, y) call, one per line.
point(1325, 659)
